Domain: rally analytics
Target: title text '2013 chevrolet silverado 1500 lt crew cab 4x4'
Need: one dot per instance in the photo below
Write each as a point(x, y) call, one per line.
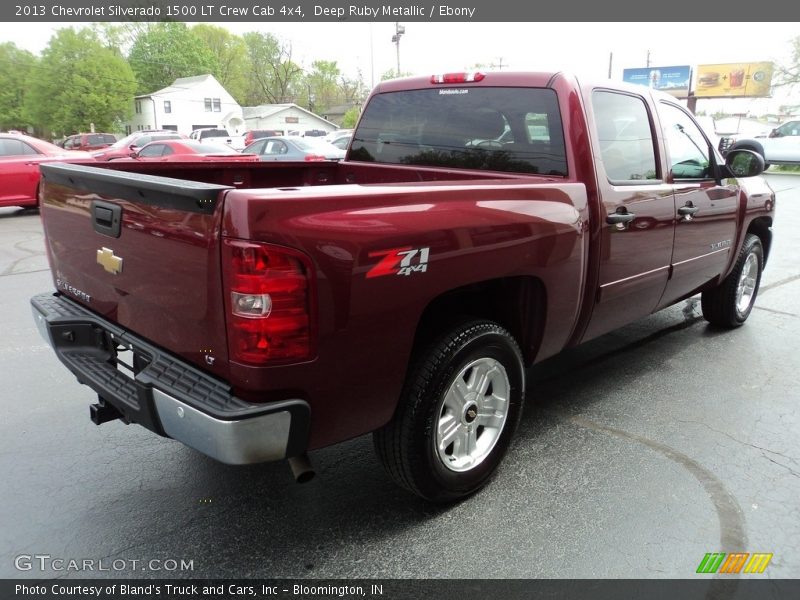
point(479, 224)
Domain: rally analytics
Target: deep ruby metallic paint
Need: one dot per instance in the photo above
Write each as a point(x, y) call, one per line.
point(479, 227)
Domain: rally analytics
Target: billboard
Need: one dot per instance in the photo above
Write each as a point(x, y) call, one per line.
point(734, 80)
point(673, 80)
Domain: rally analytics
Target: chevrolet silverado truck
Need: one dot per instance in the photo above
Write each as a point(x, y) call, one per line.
point(480, 223)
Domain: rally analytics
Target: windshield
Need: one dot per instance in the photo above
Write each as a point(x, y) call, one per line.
point(496, 129)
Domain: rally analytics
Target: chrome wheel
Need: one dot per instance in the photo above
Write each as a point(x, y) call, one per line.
point(472, 414)
point(747, 284)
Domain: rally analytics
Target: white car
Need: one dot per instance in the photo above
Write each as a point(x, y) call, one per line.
point(218, 136)
point(780, 147)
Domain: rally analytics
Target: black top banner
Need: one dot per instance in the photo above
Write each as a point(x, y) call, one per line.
point(405, 10)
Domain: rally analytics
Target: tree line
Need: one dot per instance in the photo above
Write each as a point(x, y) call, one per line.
point(90, 75)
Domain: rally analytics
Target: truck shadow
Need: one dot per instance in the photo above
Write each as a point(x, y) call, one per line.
point(256, 521)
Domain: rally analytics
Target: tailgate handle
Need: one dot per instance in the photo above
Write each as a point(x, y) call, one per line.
point(106, 218)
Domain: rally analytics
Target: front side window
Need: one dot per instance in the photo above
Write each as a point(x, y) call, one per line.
point(790, 128)
point(152, 150)
point(625, 137)
point(688, 149)
point(488, 128)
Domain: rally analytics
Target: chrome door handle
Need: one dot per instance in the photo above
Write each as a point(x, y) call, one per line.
point(620, 217)
point(688, 210)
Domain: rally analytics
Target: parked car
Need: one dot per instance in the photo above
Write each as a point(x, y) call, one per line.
point(89, 141)
point(294, 148)
point(335, 135)
point(218, 136)
point(20, 156)
point(130, 144)
point(781, 146)
point(189, 150)
point(342, 142)
point(257, 134)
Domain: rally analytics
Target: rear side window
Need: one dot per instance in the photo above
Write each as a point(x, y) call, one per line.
point(496, 129)
point(625, 137)
point(101, 138)
point(11, 147)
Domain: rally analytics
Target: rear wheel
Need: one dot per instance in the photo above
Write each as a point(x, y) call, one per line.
point(460, 406)
point(730, 303)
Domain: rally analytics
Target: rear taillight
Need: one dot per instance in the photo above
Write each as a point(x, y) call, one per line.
point(268, 301)
point(314, 157)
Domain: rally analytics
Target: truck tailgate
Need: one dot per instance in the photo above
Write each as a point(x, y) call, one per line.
point(143, 252)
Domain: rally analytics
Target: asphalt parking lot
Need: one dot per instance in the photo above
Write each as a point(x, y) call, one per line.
point(638, 453)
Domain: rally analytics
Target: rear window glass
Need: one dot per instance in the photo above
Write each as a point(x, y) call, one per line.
point(213, 133)
point(496, 129)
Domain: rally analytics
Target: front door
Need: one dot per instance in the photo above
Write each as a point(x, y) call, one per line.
point(705, 229)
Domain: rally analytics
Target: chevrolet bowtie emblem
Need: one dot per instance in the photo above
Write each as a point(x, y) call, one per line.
point(111, 263)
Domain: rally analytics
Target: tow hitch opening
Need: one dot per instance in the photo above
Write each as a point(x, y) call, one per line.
point(103, 412)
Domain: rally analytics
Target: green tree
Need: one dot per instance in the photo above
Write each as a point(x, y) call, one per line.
point(392, 74)
point(789, 74)
point(230, 53)
point(79, 82)
point(15, 66)
point(271, 74)
point(322, 85)
point(166, 51)
point(350, 118)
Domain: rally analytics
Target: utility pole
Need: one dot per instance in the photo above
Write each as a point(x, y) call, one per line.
point(610, 62)
point(399, 30)
point(648, 59)
point(500, 64)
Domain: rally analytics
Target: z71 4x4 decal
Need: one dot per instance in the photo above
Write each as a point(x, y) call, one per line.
point(400, 261)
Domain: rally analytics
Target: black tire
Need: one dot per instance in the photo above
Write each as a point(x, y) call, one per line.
point(723, 305)
point(407, 446)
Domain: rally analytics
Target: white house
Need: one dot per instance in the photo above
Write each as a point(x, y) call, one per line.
point(189, 103)
point(286, 118)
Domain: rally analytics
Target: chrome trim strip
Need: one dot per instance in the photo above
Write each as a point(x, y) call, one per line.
point(241, 442)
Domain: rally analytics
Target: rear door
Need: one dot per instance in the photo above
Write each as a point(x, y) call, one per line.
point(705, 210)
point(143, 252)
point(638, 211)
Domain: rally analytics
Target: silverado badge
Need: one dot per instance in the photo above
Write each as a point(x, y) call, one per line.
point(111, 263)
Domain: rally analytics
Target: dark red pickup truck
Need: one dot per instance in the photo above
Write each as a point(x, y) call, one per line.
point(480, 224)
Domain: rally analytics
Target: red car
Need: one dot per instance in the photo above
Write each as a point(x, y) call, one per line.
point(189, 150)
point(129, 145)
point(89, 141)
point(20, 156)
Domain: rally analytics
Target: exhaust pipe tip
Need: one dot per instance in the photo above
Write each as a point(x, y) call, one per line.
point(301, 467)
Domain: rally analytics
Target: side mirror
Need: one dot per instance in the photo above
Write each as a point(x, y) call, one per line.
point(775, 133)
point(744, 163)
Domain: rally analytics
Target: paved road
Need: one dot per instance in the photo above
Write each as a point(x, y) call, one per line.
point(639, 452)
